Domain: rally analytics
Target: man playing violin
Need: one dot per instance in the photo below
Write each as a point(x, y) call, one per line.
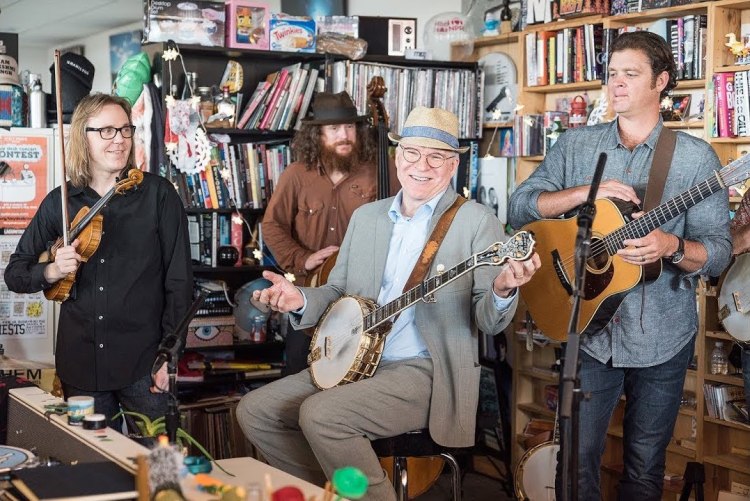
point(334, 173)
point(136, 286)
point(429, 372)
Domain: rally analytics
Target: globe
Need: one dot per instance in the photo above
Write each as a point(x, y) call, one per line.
point(245, 311)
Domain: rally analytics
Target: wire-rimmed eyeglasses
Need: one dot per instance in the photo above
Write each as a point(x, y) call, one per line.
point(110, 132)
point(434, 160)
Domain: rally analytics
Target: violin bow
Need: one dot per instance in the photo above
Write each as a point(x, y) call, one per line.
point(61, 130)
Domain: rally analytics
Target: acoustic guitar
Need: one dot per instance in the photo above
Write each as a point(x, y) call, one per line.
point(608, 278)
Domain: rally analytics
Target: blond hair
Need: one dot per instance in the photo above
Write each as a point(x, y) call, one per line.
point(77, 153)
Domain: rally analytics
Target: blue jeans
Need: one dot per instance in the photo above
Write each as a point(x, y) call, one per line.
point(135, 397)
point(653, 399)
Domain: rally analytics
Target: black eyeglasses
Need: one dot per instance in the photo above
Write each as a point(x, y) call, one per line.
point(434, 160)
point(110, 132)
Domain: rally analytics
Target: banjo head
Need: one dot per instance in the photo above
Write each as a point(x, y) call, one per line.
point(734, 299)
point(337, 338)
point(535, 473)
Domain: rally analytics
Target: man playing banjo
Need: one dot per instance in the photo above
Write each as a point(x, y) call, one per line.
point(429, 375)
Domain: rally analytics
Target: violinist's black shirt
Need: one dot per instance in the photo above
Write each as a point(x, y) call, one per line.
point(132, 291)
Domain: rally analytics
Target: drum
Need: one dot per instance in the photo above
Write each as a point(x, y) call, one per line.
point(535, 474)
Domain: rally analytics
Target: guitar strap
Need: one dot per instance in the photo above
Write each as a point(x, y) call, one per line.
point(659, 168)
point(433, 244)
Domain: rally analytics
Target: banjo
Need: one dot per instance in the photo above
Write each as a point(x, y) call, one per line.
point(349, 339)
point(536, 471)
point(734, 299)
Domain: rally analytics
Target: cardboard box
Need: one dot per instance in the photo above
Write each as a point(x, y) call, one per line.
point(43, 377)
point(198, 22)
point(210, 331)
point(292, 34)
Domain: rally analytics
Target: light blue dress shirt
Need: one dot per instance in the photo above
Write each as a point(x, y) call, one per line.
point(407, 241)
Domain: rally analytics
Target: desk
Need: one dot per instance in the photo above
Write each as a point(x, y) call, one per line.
point(29, 429)
point(249, 470)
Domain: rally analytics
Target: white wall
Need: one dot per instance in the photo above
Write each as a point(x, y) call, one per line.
point(96, 50)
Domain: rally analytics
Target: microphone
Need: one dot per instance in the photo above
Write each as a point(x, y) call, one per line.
point(588, 209)
point(171, 346)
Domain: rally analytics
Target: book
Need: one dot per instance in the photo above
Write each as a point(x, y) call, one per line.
point(83, 481)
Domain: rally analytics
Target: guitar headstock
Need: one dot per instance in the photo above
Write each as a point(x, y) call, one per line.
point(519, 247)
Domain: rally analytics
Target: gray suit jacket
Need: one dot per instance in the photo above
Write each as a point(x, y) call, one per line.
point(448, 326)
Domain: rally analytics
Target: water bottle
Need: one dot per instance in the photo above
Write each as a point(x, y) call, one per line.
point(37, 102)
point(719, 362)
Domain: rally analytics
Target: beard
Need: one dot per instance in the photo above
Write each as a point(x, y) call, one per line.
point(333, 161)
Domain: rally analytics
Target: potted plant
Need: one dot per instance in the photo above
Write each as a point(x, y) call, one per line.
point(150, 429)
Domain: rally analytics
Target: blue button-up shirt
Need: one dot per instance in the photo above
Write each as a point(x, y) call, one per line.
point(657, 319)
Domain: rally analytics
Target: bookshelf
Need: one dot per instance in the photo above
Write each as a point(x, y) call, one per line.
point(722, 446)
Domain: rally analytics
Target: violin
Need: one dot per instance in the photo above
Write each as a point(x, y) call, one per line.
point(87, 228)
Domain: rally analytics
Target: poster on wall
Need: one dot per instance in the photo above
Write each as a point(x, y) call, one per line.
point(25, 161)
point(25, 319)
point(121, 47)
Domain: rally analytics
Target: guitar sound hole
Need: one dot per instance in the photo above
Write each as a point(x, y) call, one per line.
point(598, 260)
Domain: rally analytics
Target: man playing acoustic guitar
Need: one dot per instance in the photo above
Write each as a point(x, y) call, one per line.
point(645, 347)
point(429, 374)
point(306, 218)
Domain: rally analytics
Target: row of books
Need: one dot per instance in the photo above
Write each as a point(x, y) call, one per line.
point(452, 89)
point(731, 110)
point(565, 56)
point(725, 401)
point(208, 232)
point(281, 100)
point(239, 175)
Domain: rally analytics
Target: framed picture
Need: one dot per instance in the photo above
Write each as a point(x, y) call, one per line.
point(675, 108)
point(314, 8)
point(121, 47)
point(248, 25)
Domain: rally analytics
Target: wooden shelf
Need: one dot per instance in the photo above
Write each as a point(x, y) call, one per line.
point(261, 135)
point(696, 124)
point(735, 4)
point(497, 125)
point(728, 424)
point(655, 14)
point(569, 87)
point(719, 335)
point(566, 23)
point(502, 39)
point(729, 140)
point(691, 84)
point(536, 410)
point(540, 374)
point(716, 378)
point(729, 461)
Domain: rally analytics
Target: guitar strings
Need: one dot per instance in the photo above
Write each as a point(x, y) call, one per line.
point(655, 217)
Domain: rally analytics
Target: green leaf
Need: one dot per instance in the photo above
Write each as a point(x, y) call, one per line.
point(186, 436)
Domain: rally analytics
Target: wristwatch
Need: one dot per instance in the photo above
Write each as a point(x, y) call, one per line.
point(679, 254)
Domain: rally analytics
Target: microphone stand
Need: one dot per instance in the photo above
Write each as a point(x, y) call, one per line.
point(170, 351)
point(570, 394)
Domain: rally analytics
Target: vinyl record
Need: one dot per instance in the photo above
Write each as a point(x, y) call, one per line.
point(500, 87)
point(12, 457)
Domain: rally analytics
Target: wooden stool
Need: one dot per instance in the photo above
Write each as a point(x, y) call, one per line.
point(415, 444)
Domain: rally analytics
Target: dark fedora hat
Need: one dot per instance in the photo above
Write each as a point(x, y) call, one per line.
point(328, 109)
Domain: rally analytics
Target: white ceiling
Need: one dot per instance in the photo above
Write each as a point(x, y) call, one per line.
point(48, 23)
